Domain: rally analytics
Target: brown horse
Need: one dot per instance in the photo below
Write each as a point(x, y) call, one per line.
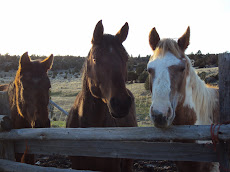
point(29, 96)
point(179, 96)
point(104, 100)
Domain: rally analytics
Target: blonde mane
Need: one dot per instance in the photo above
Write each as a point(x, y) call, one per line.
point(205, 99)
point(167, 45)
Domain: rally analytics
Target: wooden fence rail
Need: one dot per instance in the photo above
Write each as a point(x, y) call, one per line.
point(135, 143)
point(189, 132)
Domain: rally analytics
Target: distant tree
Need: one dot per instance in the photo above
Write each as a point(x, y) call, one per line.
point(132, 76)
point(143, 76)
point(7, 69)
point(140, 68)
point(198, 52)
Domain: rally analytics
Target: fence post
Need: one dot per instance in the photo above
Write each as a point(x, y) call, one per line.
point(224, 97)
point(4, 103)
point(6, 147)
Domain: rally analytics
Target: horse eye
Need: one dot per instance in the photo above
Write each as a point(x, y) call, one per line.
point(94, 60)
point(181, 69)
point(150, 70)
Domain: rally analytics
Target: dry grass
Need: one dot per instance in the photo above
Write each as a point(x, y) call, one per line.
point(209, 71)
point(64, 91)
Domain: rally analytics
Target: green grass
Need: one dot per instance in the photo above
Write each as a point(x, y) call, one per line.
point(63, 94)
point(58, 124)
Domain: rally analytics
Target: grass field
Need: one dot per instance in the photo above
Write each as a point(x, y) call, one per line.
point(64, 93)
point(65, 89)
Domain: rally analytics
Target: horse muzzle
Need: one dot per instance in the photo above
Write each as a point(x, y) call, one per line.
point(161, 120)
point(120, 108)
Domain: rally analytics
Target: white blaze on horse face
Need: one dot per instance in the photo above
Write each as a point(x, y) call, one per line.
point(161, 86)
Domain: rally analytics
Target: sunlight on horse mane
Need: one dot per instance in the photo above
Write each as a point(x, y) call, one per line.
point(205, 98)
point(164, 46)
point(18, 95)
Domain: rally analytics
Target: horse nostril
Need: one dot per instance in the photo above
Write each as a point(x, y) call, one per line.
point(155, 112)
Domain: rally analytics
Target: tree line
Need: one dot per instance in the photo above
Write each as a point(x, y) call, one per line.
point(136, 65)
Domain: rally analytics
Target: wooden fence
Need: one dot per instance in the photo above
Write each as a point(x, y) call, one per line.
point(136, 143)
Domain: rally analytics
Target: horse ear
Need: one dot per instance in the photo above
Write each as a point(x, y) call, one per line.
point(24, 60)
point(98, 33)
point(183, 41)
point(48, 62)
point(153, 38)
point(123, 33)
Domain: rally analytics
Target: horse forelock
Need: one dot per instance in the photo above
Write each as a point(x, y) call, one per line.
point(167, 45)
point(109, 44)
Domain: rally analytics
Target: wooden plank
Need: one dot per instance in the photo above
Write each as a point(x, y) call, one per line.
point(224, 96)
point(4, 103)
point(224, 87)
point(192, 132)
point(9, 166)
point(6, 146)
point(122, 149)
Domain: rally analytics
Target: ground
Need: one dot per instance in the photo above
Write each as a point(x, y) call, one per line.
point(138, 165)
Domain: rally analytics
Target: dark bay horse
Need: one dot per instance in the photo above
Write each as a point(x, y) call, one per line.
point(179, 96)
point(104, 100)
point(29, 96)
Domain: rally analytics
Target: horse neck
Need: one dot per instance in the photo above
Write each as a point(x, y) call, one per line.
point(201, 99)
point(94, 110)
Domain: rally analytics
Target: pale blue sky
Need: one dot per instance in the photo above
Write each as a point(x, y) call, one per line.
point(65, 27)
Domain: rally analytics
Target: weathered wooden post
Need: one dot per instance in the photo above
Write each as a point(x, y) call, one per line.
point(4, 103)
point(6, 147)
point(224, 93)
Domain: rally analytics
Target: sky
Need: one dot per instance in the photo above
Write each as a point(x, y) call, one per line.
point(65, 27)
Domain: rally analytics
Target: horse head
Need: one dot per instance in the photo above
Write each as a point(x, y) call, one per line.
point(168, 69)
point(107, 71)
point(32, 90)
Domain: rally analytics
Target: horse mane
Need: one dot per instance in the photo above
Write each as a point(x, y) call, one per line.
point(18, 93)
point(84, 74)
point(205, 98)
point(167, 45)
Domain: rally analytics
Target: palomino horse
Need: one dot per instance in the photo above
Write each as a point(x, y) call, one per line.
point(29, 96)
point(179, 96)
point(104, 100)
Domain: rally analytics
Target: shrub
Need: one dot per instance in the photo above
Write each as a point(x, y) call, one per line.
point(65, 77)
point(202, 75)
point(143, 76)
point(132, 76)
point(147, 85)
